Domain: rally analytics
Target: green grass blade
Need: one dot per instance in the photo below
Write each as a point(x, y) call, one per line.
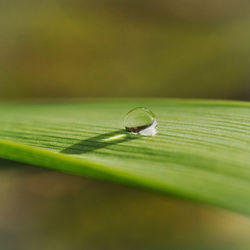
point(201, 153)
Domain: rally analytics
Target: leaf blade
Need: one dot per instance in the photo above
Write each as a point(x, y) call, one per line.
point(201, 153)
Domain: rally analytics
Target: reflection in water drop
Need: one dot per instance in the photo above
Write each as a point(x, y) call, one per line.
point(141, 121)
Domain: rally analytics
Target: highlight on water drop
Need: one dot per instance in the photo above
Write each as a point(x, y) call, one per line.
point(141, 121)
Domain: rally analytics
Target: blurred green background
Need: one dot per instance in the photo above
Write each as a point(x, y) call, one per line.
point(117, 48)
point(121, 48)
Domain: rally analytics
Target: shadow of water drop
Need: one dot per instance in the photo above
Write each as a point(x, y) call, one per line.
point(98, 142)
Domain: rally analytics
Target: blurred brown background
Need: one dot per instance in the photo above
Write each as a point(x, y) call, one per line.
point(42, 209)
point(117, 48)
point(123, 48)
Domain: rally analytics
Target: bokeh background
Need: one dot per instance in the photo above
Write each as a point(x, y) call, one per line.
point(58, 49)
point(125, 48)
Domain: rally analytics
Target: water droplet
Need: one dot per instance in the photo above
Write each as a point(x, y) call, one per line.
point(141, 121)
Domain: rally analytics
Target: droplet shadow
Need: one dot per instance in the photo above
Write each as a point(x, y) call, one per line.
point(99, 142)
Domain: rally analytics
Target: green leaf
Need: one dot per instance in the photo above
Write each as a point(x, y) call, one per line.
point(201, 151)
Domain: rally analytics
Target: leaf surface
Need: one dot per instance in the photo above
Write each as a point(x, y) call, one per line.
point(201, 151)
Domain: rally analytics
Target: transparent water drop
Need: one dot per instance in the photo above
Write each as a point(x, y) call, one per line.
point(141, 121)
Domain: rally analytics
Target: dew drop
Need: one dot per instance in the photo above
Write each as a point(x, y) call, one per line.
point(141, 121)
